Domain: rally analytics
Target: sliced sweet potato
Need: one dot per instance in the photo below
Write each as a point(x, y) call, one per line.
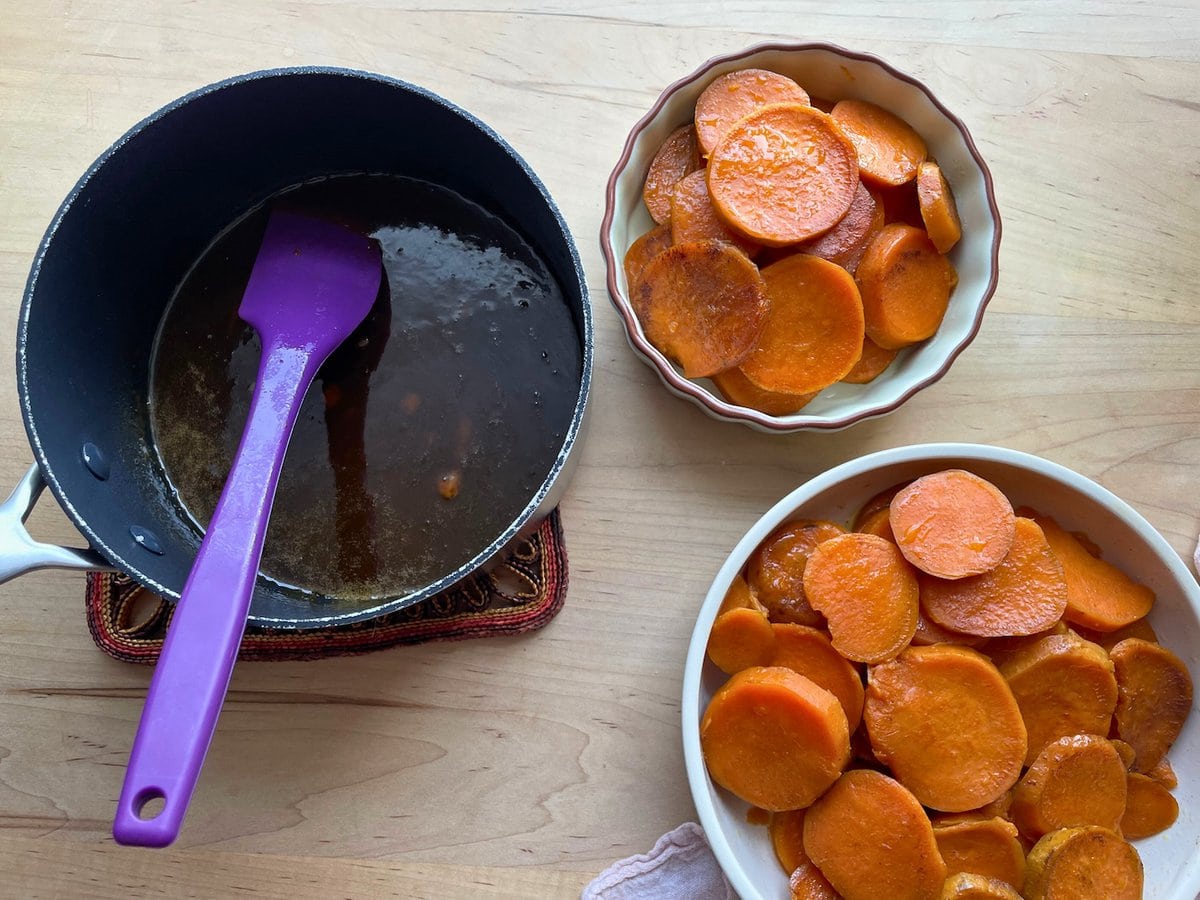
point(732, 96)
point(735, 387)
point(1076, 780)
point(1163, 773)
point(741, 638)
point(785, 173)
point(847, 241)
point(786, 830)
point(1024, 594)
point(929, 632)
point(870, 838)
point(1149, 808)
point(905, 285)
point(678, 156)
point(774, 738)
point(953, 524)
point(1084, 863)
point(984, 847)
point(1125, 751)
point(1154, 696)
point(878, 523)
point(1109, 639)
point(775, 571)
point(809, 652)
point(1099, 595)
point(1063, 685)
point(968, 886)
point(807, 883)
point(867, 593)
point(882, 500)
point(938, 209)
point(644, 249)
point(889, 149)
point(813, 333)
point(693, 217)
point(945, 721)
point(872, 362)
point(702, 304)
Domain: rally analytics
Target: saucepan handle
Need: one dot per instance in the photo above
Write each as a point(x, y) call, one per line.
point(19, 552)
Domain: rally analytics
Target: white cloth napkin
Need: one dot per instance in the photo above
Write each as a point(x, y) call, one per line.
point(680, 865)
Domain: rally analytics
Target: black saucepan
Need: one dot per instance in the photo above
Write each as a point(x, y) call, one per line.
point(126, 235)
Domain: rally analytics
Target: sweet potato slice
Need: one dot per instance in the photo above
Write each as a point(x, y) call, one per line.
point(678, 156)
point(872, 362)
point(1163, 773)
point(702, 304)
point(807, 883)
point(786, 830)
point(938, 209)
point(867, 593)
point(878, 523)
point(774, 738)
point(953, 524)
point(1154, 696)
point(983, 847)
point(735, 387)
point(905, 285)
point(741, 638)
point(1125, 751)
point(1025, 594)
point(1099, 595)
point(882, 500)
point(644, 249)
point(945, 721)
point(1063, 685)
point(1076, 780)
point(968, 886)
point(869, 836)
point(775, 571)
point(809, 652)
point(846, 242)
point(785, 173)
point(1109, 639)
point(929, 632)
point(693, 217)
point(1149, 808)
point(813, 334)
point(888, 148)
point(732, 96)
point(1084, 863)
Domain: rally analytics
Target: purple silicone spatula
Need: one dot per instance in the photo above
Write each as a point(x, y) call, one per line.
point(313, 282)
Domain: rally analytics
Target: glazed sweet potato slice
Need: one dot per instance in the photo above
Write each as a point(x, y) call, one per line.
point(775, 571)
point(807, 883)
point(867, 593)
point(732, 96)
point(953, 524)
point(701, 304)
point(881, 500)
point(945, 722)
point(846, 242)
point(1109, 639)
point(774, 738)
point(814, 327)
point(735, 387)
point(786, 830)
point(1163, 773)
point(987, 847)
point(741, 638)
point(905, 285)
point(693, 217)
point(810, 652)
point(873, 360)
point(1154, 696)
point(678, 156)
point(1076, 780)
point(785, 173)
point(1099, 595)
point(869, 836)
point(644, 249)
point(938, 209)
point(929, 632)
point(878, 523)
point(888, 148)
point(1024, 594)
point(1125, 751)
point(1063, 685)
point(1084, 863)
point(1149, 808)
point(968, 886)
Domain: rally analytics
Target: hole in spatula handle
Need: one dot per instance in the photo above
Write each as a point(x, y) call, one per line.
point(149, 804)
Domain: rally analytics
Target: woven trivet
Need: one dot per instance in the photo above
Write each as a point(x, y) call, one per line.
point(521, 594)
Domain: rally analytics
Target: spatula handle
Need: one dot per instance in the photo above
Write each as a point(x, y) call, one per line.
point(193, 671)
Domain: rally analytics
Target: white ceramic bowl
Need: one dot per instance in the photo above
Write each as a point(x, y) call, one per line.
point(1172, 865)
point(830, 73)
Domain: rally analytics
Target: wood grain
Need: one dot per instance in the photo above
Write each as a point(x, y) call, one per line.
point(521, 767)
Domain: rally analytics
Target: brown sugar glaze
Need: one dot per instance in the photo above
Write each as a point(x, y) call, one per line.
point(424, 435)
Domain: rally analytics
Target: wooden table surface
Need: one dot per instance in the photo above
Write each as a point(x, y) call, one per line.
point(520, 767)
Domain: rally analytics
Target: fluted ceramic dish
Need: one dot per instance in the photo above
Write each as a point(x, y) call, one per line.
point(831, 73)
point(1172, 866)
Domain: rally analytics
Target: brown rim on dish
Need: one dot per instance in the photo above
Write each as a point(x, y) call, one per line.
point(683, 387)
